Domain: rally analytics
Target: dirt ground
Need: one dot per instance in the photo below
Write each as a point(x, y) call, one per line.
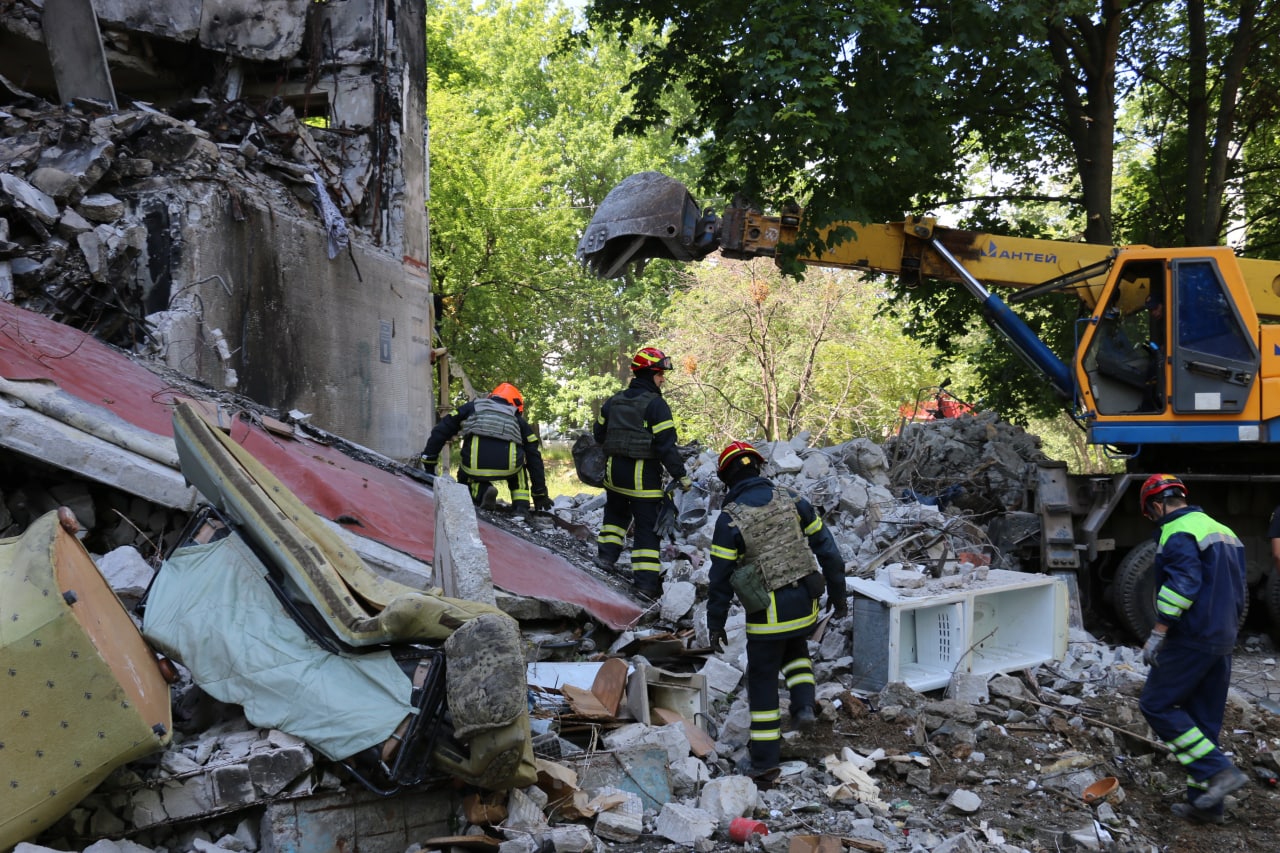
point(1029, 817)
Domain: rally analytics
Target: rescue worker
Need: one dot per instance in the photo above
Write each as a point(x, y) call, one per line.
point(638, 435)
point(498, 444)
point(779, 533)
point(1200, 578)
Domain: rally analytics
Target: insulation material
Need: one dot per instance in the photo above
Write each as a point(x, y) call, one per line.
point(211, 609)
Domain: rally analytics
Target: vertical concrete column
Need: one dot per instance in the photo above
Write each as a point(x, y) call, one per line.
point(75, 51)
point(461, 562)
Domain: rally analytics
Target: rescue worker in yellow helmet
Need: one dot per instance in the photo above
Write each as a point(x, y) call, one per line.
point(638, 435)
point(498, 445)
point(778, 534)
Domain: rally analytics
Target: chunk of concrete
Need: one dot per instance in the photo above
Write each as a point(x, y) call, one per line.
point(677, 599)
point(684, 824)
point(623, 822)
point(126, 571)
point(101, 207)
point(729, 797)
point(28, 198)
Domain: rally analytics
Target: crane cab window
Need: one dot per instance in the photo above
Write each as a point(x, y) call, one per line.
point(1125, 355)
point(1207, 321)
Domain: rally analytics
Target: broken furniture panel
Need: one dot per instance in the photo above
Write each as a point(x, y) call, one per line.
point(649, 688)
point(921, 637)
point(82, 693)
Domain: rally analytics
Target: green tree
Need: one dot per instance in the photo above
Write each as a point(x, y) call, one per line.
point(760, 356)
point(522, 150)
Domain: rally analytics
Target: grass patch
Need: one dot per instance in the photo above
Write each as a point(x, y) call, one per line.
point(562, 478)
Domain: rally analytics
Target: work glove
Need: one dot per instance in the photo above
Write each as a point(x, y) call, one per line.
point(1152, 647)
point(718, 640)
point(428, 463)
point(686, 483)
point(542, 503)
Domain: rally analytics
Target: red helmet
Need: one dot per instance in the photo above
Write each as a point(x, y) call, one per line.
point(510, 393)
point(735, 451)
point(650, 358)
point(1160, 486)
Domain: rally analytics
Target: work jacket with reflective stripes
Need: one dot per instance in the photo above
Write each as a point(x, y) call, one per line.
point(487, 458)
point(793, 609)
point(1200, 581)
point(642, 478)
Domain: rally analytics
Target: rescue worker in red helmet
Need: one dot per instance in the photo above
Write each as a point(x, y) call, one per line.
point(1200, 599)
point(638, 434)
point(498, 445)
point(780, 534)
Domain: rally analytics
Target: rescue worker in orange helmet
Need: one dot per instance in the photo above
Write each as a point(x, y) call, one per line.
point(1201, 583)
point(498, 445)
point(780, 534)
point(638, 435)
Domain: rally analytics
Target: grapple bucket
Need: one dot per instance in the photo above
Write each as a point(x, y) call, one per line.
point(648, 215)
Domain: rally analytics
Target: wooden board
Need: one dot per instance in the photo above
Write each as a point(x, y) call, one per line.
point(699, 741)
point(610, 684)
point(584, 703)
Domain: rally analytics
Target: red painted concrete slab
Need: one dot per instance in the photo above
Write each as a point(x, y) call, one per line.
point(388, 507)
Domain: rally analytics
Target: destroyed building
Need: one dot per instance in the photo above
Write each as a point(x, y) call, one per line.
point(238, 187)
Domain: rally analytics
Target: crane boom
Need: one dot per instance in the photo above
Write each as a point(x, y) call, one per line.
point(650, 215)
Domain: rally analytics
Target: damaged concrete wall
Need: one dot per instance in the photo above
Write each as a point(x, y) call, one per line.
point(259, 198)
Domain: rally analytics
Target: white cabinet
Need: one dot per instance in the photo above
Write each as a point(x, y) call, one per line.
point(1007, 621)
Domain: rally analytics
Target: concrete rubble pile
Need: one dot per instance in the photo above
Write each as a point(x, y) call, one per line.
point(922, 498)
point(638, 742)
point(75, 237)
point(649, 784)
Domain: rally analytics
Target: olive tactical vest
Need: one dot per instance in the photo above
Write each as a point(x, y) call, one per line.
point(774, 540)
point(625, 431)
point(494, 419)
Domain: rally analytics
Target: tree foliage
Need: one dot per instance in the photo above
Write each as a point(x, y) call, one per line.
point(761, 356)
point(522, 151)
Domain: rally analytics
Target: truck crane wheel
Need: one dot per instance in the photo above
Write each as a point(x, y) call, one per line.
point(1134, 592)
point(1135, 589)
point(1271, 592)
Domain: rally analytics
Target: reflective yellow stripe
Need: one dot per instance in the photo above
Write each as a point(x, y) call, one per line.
point(813, 528)
point(766, 716)
point(798, 663)
point(805, 678)
point(657, 428)
point(1187, 738)
point(724, 553)
point(1171, 603)
point(637, 477)
point(766, 734)
point(774, 627)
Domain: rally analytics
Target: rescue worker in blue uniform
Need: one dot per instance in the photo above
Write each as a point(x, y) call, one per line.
point(498, 445)
point(638, 434)
point(1200, 578)
point(779, 534)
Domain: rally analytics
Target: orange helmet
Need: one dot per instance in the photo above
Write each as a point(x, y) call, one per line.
point(510, 393)
point(650, 358)
point(738, 450)
point(1160, 486)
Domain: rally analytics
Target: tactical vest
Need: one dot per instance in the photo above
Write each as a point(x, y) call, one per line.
point(774, 540)
point(494, 419)
point(625, 431)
